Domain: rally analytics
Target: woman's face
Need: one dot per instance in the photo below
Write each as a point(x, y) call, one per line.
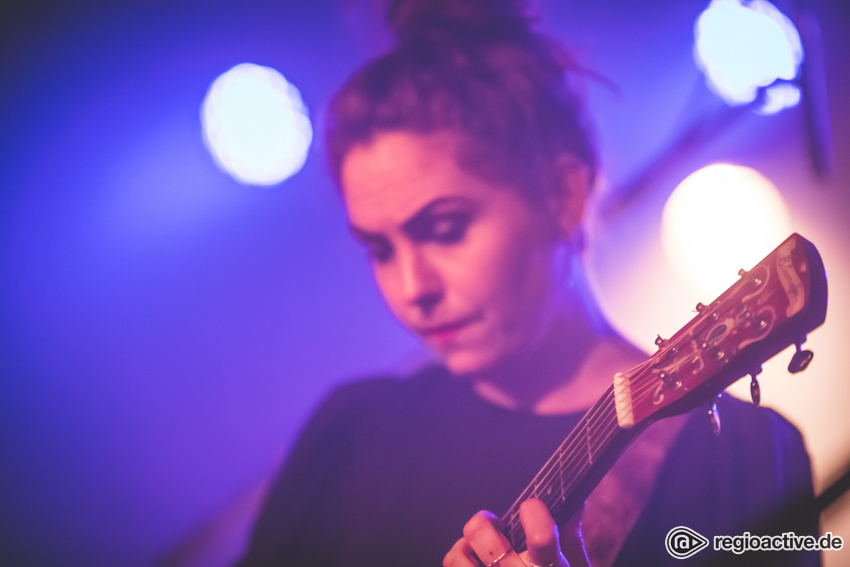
point(464, 263)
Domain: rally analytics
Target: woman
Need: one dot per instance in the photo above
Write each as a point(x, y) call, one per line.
point(465, 165)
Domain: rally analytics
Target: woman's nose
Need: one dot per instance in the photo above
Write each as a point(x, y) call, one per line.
point(421, 282)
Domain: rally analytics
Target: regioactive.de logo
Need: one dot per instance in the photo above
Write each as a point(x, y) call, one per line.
point(683, 542)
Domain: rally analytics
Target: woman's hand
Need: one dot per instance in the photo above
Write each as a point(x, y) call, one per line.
point(484, 544)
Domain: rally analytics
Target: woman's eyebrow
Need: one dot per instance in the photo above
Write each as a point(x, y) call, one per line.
point(363, 235)
point(415, 223)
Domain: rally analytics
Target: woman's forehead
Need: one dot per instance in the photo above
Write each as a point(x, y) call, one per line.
point(399, 154)
point(398, 173)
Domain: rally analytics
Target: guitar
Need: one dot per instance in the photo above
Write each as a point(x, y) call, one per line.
point(772, 306)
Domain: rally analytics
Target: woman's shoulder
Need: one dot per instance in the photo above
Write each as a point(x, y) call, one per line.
point(754, 441)
point(758, 423)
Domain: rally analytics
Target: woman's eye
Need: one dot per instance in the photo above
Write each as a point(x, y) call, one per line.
point(449, 229)
point(379, 252)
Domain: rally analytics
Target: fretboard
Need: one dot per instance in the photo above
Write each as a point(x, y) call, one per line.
point(577, 466)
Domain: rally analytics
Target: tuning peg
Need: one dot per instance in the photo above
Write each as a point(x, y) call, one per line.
point(714, 417)
point(661, 343)
point(801, 359)
point(755, 389)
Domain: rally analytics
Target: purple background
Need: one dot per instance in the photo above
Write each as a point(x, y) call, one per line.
point(164, 331)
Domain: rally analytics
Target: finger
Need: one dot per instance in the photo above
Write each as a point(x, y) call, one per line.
point(572, 542)
point(460, 555)
point(541, 534)
point(489, 544)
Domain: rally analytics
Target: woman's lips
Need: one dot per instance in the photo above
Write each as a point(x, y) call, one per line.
point(446, 332)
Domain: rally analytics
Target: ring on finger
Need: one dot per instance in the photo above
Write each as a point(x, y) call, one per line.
point(499, 558)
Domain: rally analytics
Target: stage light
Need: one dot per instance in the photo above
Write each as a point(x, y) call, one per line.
point(744, 46)
point(779, 97)
point(256, 125)
point(718, 220)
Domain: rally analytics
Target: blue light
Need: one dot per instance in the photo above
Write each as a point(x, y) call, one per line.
point(743, 47)
point(256, 125)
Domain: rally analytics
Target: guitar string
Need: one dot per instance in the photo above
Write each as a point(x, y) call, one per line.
point(575, 438)
point(572, 469)
point(569, 447)
point(557, 469)
point(564, 463)
point(566, 447)
point(574, 447)
point(545, 475)
point(575, 465)
point(564, 459)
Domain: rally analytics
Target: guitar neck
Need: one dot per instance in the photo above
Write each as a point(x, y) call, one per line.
point(772, 306)
point(572, 472)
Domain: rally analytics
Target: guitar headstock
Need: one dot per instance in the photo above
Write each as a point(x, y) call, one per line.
point(770, 307)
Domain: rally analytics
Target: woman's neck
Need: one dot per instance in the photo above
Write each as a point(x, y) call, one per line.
point(566, 370)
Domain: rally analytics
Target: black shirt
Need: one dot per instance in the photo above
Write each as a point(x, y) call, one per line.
point(388, 471)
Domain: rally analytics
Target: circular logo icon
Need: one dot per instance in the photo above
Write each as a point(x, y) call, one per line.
point(683, 542)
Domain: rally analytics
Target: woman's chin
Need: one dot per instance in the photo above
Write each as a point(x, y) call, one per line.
point(491, 356)
point(467, 362)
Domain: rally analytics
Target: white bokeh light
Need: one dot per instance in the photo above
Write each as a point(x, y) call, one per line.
point(256, 125)
point(741, 48)
point(718, 220)
point(779, 97)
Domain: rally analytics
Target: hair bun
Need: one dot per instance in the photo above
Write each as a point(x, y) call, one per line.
point(419, 19)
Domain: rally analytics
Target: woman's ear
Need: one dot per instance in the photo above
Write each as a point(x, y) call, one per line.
point(571, 185)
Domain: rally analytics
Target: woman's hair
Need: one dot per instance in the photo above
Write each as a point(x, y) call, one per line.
point(475, 67)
